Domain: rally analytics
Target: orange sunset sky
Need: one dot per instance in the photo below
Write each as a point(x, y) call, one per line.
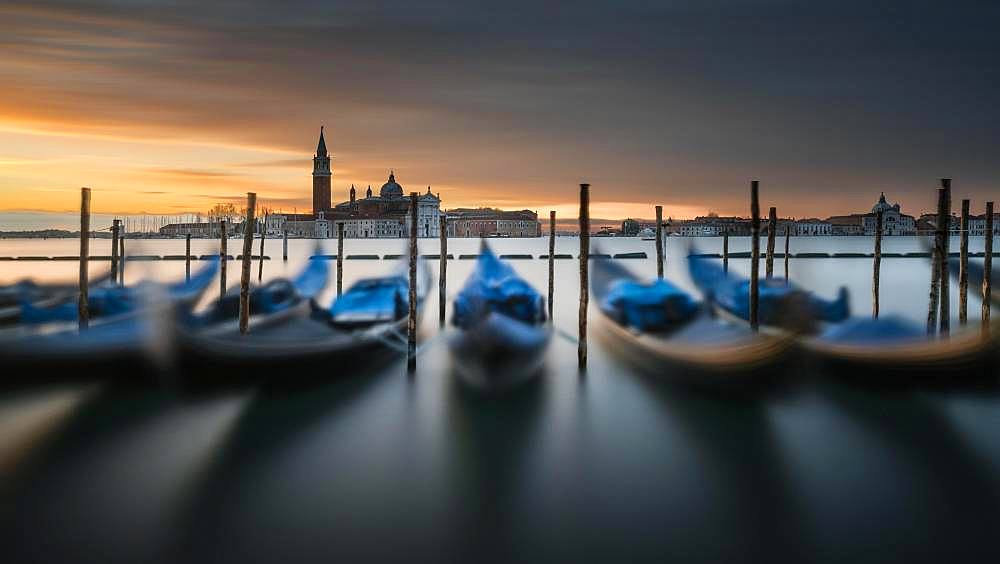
point(169, 111)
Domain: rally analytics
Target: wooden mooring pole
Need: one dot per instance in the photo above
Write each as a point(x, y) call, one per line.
point(772, 228)
point(114, 250)
point(340, 258)
point(987, 267)
point(877, 264)
point(963, 267)
point(443, 270)
point(263, 235)
point(222, 259)
point(552, 260)
point(411, 322)
point(83, 304)
point(581, 353)
point(121, 259)
point(245, 271)
point(284, 244)
point(659, 242)
point(754, 252)
point(725, 251)
point(944, 217)
point(187, 258)
point(788, 236)
point(934, 298)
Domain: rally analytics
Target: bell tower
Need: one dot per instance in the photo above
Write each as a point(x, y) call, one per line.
point(321, 177)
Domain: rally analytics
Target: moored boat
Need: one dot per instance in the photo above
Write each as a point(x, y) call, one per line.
point(501, 334)
point(662, 329)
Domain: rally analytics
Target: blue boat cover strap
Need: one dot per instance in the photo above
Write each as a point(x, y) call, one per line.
point(495, 287)
point(656, 306)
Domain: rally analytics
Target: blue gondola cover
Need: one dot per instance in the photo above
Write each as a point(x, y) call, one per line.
point(656, 306)
point(495, 287)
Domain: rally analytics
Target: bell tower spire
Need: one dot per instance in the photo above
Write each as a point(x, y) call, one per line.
point(322, 176)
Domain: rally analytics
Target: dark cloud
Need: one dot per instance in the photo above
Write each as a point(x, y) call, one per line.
point(679, 102)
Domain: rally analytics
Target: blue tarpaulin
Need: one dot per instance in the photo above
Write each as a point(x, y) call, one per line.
point(656, 306)
point(495, 287)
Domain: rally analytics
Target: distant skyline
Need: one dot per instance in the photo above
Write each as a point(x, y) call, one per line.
point(170, 110)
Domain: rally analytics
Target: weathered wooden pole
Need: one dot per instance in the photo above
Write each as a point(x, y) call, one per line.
point(877, 265)
point(114, 250)
point(443, 270)
point(411, 322)
point(788, 231)
point(659, 242)
point(552, 260)
point(245, 271)
point(725, 251)
point(988, 267)
point(935, 294)
point(83, 304)
point(260, 267)
point(963, 267)
point(772, 227)
point(340, 258)
point(121, 260)
point(944, 216)
point(581, 354)
point(222, 259)
point(284, 243)
point(187, 258)
point(754, 252)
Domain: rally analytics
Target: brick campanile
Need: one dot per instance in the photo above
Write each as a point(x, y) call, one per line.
point(321, 177)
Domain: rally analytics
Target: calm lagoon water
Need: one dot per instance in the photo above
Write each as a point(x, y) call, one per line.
point(610, 465)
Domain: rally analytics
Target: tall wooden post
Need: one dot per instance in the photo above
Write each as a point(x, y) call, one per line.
point(340, 258)
point(552, 260)
point(187, 258)
point(772, 227)
point(411, 322)
point(121, 259)
point(659, 242)
point(263, 235)
point(934, 299)
point(788, 236)
point(284, 243)
point(725, 251)
point(581, 353)
point(222, 259)
point(877, 266)
point(443, 270)
point(83, 304)
point(988, 267)
point(944, 216)
point(963, 267)
point(114, 250)
point(754, 252)
point(245, 271)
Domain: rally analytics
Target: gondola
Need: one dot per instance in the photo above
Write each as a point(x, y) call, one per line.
point(125, 337)
point(500, 335)
point(657, 326)
point(295, 339)
point(783, 308)
point(861, 347)
point(12, 296)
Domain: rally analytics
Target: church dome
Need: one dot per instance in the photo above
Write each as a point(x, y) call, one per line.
point(882, 205)
point(391, 190)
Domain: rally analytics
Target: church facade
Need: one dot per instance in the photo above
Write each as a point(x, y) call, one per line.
point(384, 215)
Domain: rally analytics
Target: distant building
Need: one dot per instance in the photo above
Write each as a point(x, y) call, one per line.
point(893, 222)
point(977, 224)
point(489, 222)
point(812, 227)
point(197, 230)
point(630, 228)
point(846, 224)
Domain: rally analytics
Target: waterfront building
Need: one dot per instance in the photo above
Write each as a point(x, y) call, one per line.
point(489, 222)
point(630, 228)
point(977, 224)
point(812, 227)
point(197, 230)
point(387, 215)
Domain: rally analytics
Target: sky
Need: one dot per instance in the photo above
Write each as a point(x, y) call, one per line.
point(170, 107)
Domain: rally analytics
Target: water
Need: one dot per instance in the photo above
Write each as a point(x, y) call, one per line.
point(609, 466)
